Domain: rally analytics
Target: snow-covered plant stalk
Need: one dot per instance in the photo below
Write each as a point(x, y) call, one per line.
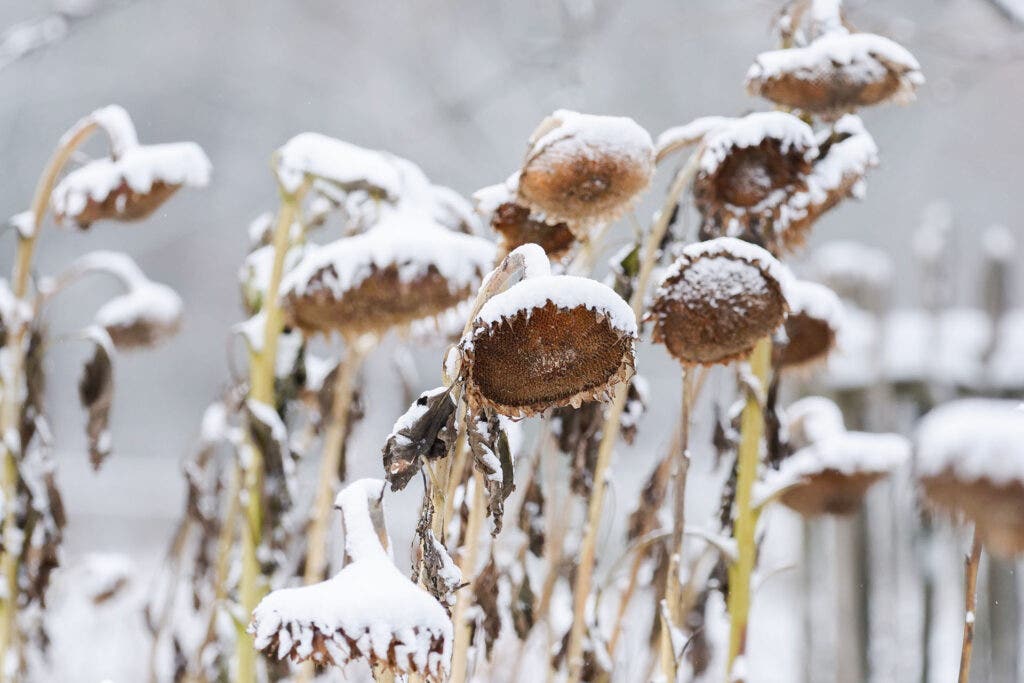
point(748, 460)
point(467, 564)
point(330, 461)
point(13, 379)
point(261, 391)
point(104, 188)
point(612, 425)
point(970, 598)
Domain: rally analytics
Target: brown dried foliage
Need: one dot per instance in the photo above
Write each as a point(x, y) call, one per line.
point(96, 393)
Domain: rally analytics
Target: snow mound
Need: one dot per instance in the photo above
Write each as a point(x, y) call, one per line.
point(369, 610)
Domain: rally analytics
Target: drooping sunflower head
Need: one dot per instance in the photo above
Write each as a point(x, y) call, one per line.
point(583, 169)
point(718, 299)
point(546, 342)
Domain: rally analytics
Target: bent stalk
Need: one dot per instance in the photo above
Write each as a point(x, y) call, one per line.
point(13, 381)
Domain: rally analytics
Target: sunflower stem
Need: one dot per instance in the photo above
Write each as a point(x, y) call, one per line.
point(11, 397)
point(330, 462)
point(467, 564)
point(588, 548)
point(740, 571)
point(261, 389)
point(970, 600)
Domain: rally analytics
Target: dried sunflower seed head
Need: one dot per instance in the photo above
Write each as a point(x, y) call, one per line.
point(831, 475)
point(750, 169)
point(131, 186)
point(144, 317)
point(405, 269)
point(811, 327)
point(970, 462)
point(368, 611)
point(583, 169)
point(718, 299)
point(548, 341)
point(517, 225)
point(836, 73)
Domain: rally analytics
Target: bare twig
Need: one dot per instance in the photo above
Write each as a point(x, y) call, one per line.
point(970, 599)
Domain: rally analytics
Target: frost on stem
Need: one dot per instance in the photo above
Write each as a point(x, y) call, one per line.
point(548, 341)
point(583, 169)
point(718, 299)
point(133, 181)
point(767, 177)
point(368, 611)
point(406, 268)
point(970, 461)
point(814, 320)
point(836, 74)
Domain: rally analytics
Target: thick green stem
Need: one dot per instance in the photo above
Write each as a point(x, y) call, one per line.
point(261, 389)
point(740, 571)
point(13, 384)
point(588, 548)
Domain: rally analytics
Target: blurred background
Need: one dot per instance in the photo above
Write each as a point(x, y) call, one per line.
point(456, 86)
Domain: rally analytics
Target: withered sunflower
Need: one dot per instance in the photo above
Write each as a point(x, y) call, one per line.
point(368, 611)
point(517, 225)
point(405, 269)
point(548, 341)
point(130, 186)
point(836, 73)
point(718, 299)
point(970, 462)
point(583, 169)
point(750, 168)
point(811, 327)
point(834, 472)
